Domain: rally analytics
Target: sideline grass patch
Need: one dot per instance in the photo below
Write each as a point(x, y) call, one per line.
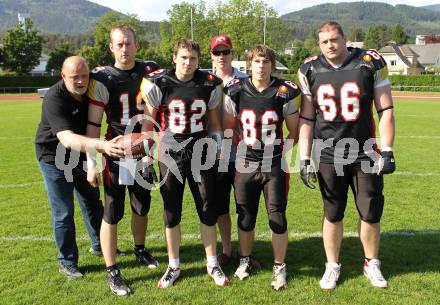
point(411, 263)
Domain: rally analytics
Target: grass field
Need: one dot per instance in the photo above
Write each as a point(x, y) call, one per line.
point(410, 248)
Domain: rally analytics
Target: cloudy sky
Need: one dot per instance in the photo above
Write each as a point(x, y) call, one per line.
point(156, 10)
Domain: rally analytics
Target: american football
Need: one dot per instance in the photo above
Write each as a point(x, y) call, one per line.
point(136, 145)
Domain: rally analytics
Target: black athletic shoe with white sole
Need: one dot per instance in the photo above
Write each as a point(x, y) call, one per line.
point(116, 283)
point(144, 257)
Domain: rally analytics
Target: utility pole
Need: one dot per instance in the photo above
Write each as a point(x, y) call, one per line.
point(264, 26)
point(192, 26)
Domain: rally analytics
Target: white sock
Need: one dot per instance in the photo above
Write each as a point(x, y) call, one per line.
point(212, 260)
point(174, 262)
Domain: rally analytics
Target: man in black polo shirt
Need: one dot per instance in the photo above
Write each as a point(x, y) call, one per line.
point(58, 143)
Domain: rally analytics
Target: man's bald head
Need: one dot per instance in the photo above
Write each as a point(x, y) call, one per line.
point(75, 74)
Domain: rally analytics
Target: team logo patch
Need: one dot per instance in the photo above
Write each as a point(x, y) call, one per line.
point(367, 58)
point(282, 89)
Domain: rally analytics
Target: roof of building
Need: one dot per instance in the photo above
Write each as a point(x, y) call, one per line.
point(403, 51)
point(428, 54)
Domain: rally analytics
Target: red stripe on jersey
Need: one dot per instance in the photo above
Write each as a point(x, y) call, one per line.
point(97, 103)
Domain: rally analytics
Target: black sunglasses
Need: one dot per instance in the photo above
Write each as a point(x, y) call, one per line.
point(218, 53)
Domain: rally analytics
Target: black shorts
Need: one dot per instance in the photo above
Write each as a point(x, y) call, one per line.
point(248, 187)
point(222, 190)
point(367, 190)
point(172, 191)
point(114, 194)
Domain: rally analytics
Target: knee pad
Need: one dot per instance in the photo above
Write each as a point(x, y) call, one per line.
point(334, 218)
point(140, 210)
point(278, 222)
point(172, 220)
point(209, 220)
point(374, 213)
point(246, 222)
point(112, 219)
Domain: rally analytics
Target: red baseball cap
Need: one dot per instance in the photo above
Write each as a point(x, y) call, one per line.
point(221, 40)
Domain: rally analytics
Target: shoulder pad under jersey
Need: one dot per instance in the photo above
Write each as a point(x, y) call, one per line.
point(233, 86)
point(373, 59)
point(307, 64)
point(287, 89)
point(148, 66)
point(207, 79)
point(103, 74)
point(156, 74)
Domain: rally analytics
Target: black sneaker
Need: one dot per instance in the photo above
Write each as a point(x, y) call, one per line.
point(71, 272)
point(116, 283)
point(144, 257)
point(98, 252)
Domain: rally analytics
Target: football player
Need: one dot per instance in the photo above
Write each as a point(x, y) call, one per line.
point(183, 100)
point(340, 87)
point(115, 90)
point(260, 105)
point(221, 56)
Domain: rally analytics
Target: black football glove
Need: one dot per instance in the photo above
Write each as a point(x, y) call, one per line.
point(149, 174)
point(387, 165)
point(307, 173)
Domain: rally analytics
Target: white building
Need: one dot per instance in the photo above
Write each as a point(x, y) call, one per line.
point(41, 68)
point(411, 58)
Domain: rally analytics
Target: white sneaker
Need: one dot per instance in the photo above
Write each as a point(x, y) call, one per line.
point(169, 277)
point(279, 280)
point(217, 274)
point(331, 276)
point(244, 268)
point(373, 273)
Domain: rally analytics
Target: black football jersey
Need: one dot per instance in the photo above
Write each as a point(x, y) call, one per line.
point(117, 91)
point(182, 106)
point(260, 115)
point(343, 99)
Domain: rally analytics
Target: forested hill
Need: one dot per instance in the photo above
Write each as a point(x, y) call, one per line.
point(415, 20)
point(78, 16)
point(65, 17)
point(434, 7)
point(52, 16)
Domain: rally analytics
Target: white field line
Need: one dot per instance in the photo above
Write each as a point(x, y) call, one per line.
point(196, 236)
point(20, 185)
point(404, 173)
point(400, 173)
point(418, 97)
point(16, 138)
point(19, 138)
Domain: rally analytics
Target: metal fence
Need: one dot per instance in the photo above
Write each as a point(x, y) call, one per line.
point(18, 90)
point(415, 88)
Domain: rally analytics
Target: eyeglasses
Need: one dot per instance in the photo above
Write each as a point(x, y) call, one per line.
point(224, 52)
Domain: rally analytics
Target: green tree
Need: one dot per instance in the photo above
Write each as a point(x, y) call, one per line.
point(356, 34)
point(311, 44)
point(242, 20)
point(372, 38)
point(99, 54)
point(179, 27)
point(399, 35)
point(57, 57)
point(22, 48)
